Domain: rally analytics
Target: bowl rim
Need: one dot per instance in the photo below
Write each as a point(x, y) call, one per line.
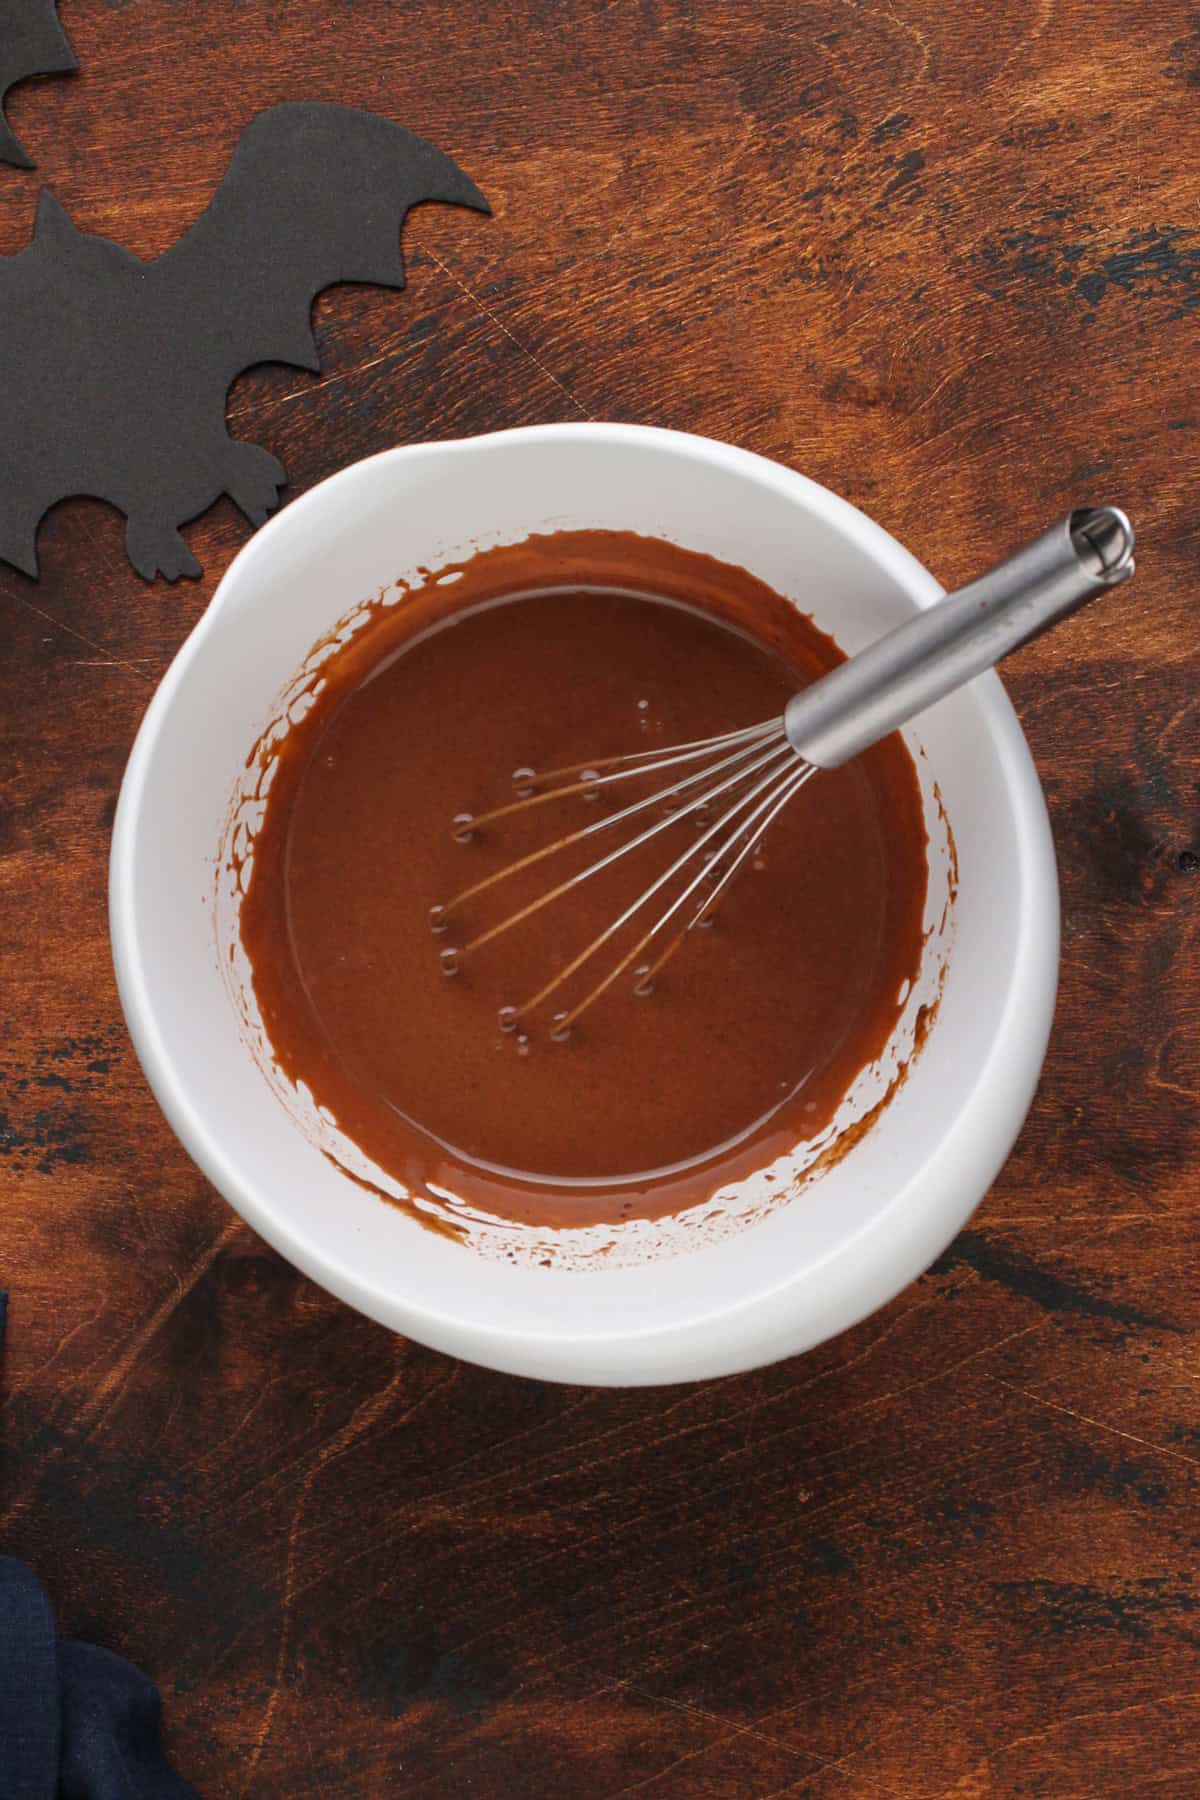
point(910, 1230)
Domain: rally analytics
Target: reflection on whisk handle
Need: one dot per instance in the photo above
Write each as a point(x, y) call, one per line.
point(949, 643)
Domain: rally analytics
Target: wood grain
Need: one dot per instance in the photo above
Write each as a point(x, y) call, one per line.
point(947, 260)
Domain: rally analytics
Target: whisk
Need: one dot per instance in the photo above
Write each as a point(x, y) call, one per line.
point(747, 777)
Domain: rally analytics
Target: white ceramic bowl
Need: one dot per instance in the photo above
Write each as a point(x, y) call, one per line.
point(861, 1230)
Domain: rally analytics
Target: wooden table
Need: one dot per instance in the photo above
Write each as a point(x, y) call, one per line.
point(946, 259)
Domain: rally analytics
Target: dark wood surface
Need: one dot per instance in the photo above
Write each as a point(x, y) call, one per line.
point(946, 259)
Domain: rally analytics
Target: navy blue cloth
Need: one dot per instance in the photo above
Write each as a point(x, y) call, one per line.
point(76, 1722)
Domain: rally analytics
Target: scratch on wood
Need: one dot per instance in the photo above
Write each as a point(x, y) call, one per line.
point(1043, 13)
point(38, 1373)
point(360, 1421)
point(95, 1410)
point(727, 1725)
point(305, 389)
point(908, 30)
point(109, 661)
point(1107, 1713)
point(498, 322)
point(1100, 1424)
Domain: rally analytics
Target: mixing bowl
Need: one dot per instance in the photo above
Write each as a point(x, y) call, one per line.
point(765, 1273)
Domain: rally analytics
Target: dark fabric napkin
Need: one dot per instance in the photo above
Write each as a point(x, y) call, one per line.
point(76, 1722)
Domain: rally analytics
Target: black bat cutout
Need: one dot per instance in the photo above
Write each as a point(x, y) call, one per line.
point(114, 372)
point(32, 42)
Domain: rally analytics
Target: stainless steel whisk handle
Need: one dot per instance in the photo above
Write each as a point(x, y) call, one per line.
point(948, 644)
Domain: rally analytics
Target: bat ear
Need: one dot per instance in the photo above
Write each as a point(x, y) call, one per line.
point(53, 225)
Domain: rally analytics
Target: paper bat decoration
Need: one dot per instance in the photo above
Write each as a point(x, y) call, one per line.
point(114, 372)
point(32, 42)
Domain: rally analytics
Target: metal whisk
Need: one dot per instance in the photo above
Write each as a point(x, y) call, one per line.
point(749, 776)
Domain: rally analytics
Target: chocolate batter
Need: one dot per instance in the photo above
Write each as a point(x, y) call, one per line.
point(560, 649)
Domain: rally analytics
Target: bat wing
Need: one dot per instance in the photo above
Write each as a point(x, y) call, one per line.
point(67, 365)
point(315, 195)
point(32, 42)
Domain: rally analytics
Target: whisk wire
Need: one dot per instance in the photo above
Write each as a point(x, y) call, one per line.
point(773, 807)
point(625, 768)
point(768, 781)
point(776, 754)
point(662, 755)
point(751, 828)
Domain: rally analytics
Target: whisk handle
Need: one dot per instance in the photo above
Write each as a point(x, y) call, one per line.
point(948, 644)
